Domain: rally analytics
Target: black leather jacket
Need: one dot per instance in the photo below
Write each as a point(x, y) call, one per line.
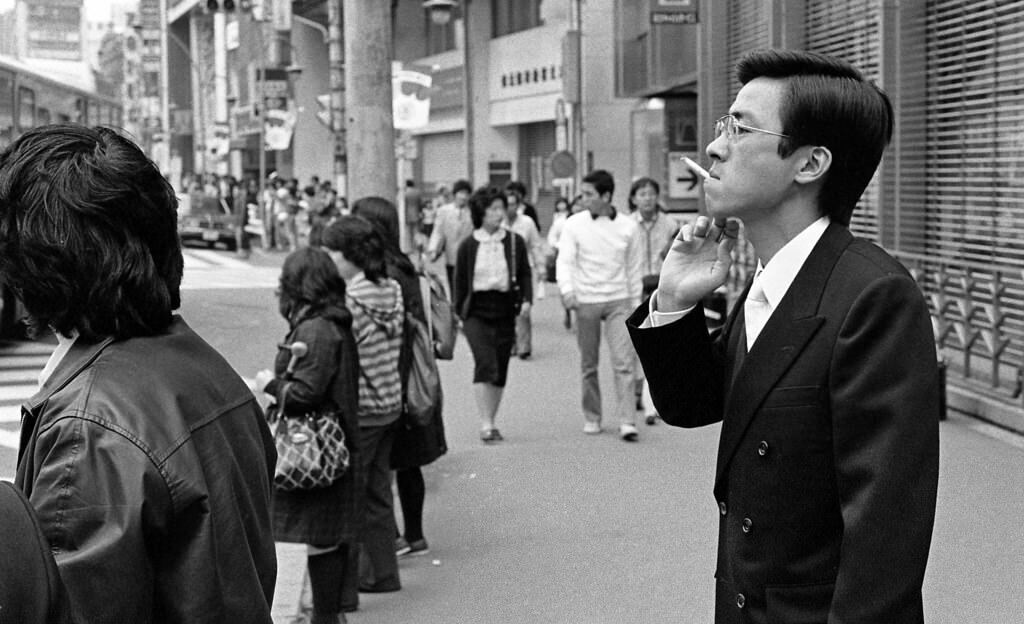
point(149, 464)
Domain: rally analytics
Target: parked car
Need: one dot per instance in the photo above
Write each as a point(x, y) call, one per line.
point(208, 223)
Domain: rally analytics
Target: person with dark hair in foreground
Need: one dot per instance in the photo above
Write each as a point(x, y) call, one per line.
point(145, 455)
point(824, 376)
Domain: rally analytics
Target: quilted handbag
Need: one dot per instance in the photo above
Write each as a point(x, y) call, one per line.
point(311, 450)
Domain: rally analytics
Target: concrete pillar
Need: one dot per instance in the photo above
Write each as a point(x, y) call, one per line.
point(370, 132)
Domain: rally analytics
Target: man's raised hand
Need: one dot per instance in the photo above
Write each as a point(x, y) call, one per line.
point(697, 263)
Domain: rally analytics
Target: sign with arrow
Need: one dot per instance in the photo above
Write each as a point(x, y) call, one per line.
point(682, 182)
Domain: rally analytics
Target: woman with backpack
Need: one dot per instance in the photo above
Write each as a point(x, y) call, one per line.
point(378, 315)
point(415, 444)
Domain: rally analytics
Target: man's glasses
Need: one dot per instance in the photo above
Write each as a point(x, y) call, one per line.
point(731, 128)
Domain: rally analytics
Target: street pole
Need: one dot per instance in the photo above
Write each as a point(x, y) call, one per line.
point(467, 81)
point(165, 96)
point(336, 69)
point(370, 137)
point(261, 105)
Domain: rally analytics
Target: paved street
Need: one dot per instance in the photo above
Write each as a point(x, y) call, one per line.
point(553, 526)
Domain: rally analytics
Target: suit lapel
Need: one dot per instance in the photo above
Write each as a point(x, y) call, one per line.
point(791, 326)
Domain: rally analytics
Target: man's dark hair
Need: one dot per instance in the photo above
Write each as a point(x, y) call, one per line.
point(310, 281)
point(88, 233)
point(517, 187)
point(828, 103)
point(602, 180)
point(481, 200)
point(462, 185)
point(360, 242)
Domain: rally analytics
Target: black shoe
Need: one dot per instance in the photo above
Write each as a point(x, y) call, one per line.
point(491, 435)
point(380, 588)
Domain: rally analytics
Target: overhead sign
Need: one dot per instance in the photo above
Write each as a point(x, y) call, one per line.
point(674, 12)
point(682, 182)
point(410, 97)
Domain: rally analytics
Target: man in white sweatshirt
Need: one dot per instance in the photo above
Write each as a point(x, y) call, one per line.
point(599, 276)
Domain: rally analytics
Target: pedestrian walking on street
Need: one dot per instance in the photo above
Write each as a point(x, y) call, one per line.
point(657, 231)
point(492, 286)
point(324, 381)
point(599, 266)
point(451, 226)
point(561, 213)
point(378, 312)
point(824, 376)
point(517, 221)
point(145, 455)
point(415, 444)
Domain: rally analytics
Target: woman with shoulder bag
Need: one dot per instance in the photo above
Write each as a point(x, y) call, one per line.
point(493, 284)
point(378, 316)
point(324, 381)
point(416, 444)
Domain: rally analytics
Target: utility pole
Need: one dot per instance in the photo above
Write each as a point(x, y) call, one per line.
point(336, 69)
point(368, 115)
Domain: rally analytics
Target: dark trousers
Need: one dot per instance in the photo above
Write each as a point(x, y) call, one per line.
point(378, 564)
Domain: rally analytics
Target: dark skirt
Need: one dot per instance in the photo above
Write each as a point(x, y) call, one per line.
point(324, 516)
point(491, 341)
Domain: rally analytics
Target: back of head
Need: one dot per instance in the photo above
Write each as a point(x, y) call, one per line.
point(88, 233)
point(602, 180)
point(357, 239)
point(382, 214)
point(310, 279)
point(462, 185)
point(828, 103)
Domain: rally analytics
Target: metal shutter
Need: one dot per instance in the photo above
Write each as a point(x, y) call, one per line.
point(850, 31)
point(748, 30)
point(972, 210)
point(443, 157)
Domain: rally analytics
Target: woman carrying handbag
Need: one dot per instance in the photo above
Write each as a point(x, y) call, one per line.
point(324, 380)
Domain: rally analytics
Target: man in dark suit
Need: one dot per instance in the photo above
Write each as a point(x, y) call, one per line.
point(824, 377)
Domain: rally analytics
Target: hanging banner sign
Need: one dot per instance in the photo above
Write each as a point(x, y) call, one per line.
point(410, 97)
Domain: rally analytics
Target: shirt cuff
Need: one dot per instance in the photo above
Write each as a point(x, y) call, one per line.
point(659, 319)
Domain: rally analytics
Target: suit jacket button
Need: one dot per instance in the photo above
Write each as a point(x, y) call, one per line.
point(741, 600)
point(747, 525)
point(762, 448)
point(722, 509)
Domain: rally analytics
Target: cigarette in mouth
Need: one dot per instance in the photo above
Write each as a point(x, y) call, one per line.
point(696, 168)
point(720, 222)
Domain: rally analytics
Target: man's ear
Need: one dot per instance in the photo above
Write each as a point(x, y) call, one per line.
point(606, 198)
point(816, 163)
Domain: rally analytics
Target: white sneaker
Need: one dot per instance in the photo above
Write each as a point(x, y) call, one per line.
point(628, 432)
point(591, 427)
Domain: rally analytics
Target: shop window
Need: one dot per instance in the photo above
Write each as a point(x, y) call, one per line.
point(510, 16)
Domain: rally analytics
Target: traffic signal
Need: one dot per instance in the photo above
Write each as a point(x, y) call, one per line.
point(216, 5)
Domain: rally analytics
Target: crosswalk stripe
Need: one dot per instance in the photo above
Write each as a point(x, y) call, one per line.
point(10, 413)
point(22, 362)
point(17, 392)
point(10, 439)
point(251, 277)
point(18, 376)
point(212, 257)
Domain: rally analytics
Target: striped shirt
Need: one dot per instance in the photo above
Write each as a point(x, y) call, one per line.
point(377, 317)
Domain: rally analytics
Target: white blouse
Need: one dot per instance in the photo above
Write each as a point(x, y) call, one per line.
point(491, 269)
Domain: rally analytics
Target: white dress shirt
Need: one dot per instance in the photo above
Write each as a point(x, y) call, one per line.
point(774, 278)
point(490, 271)
point(63, 346)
